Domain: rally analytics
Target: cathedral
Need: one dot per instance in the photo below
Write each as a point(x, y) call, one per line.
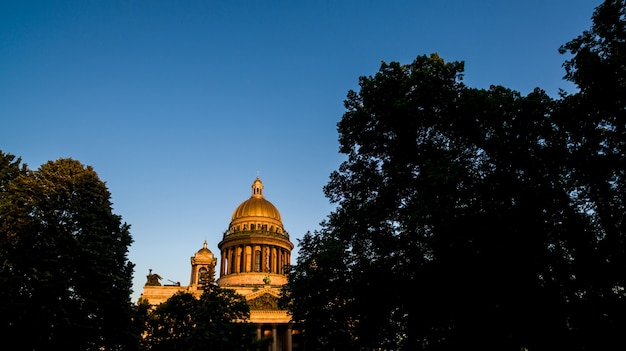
point(254, 252)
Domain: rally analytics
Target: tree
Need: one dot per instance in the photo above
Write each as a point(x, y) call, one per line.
point(222, 321)
point(504, 212)
point(10, 168)
point(170, 325)
point(320, 293)
point(65, 275)
point(597, 66)
point(215, 321)
point(594, 121)
point(391, 128)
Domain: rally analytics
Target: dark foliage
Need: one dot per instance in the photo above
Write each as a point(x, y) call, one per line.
point(65, 280)
point(474, 219)
point(215, 321)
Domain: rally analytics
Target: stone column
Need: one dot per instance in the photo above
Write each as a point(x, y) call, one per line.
point(274, 268)
point(266, 258)
point(274, 338)
point(236, 259)
point(283, 261)
point(222, 263)
point(248, 260)
point(288, 338)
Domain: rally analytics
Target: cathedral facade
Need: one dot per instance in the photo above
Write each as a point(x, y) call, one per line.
point(254, 253)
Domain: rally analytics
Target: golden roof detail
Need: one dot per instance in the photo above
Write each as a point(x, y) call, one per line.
point(257, 206)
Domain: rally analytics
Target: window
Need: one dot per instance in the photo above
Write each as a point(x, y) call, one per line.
point(203, 276)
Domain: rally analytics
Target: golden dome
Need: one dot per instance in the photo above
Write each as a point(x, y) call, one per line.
point(256, 205)
point(256, 212)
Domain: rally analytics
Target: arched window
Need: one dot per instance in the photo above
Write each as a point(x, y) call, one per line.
point(203, 276)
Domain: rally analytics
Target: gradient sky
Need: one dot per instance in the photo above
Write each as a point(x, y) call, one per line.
point(178, 105)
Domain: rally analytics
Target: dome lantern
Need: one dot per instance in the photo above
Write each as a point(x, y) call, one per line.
point(257, 188)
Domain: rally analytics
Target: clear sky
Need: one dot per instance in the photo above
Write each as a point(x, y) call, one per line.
point(178, 105)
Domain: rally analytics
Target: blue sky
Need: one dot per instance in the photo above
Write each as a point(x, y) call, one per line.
point(178, 105)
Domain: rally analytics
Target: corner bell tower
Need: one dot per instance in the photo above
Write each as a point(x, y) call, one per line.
point(202, 268)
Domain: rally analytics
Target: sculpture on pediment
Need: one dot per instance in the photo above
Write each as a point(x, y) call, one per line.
point(264, 302)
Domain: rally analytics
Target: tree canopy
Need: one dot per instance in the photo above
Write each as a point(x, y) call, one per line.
point(65, 278)
point(218, 320)
point(474, 218)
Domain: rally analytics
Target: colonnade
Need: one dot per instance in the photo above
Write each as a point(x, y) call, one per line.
point(281, 339)
point(254, 258)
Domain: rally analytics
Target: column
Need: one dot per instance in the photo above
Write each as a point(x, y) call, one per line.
point(239, 255)
point(247, 261)
point(288, 338)
point(274, 339)
point(275, 260)
point(222, 263)
point(266, 250)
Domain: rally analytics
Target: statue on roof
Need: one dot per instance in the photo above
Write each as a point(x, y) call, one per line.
point(153, 279)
